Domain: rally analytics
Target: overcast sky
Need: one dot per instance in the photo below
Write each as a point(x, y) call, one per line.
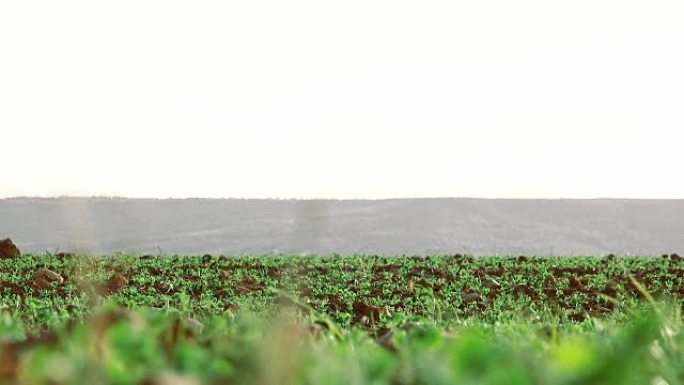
point(342, 99)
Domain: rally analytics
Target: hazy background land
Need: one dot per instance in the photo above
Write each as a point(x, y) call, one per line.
point(385, 227)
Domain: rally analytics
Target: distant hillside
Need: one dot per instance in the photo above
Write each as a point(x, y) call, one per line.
point(385, 227)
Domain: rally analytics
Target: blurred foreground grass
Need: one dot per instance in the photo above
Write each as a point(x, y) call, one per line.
point(147, 346)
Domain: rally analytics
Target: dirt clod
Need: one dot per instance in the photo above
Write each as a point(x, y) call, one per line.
point(524, 290)
point(577, 317)
point(8, 249)
point(48, 275)
point(247, 285)
point(115, 283)
point(365, 313)
point(42, 279)
point(471, 297)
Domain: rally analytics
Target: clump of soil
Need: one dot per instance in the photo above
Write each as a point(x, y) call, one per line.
point(8, 249)
point(471, 297)
point(247, 285)
point(115, 283)
point(62, 255)
point(366, 314)
point(42, 279)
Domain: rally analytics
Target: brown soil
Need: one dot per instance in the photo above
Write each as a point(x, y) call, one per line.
point(471, 297)
point(42, 279)
point(115, 283)
point(48, 275)
point(8, 249)
point(365, 314)
point(247, 285)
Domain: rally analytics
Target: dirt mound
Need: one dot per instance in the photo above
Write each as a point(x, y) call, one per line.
point(115, 283)
point(8, 249)
point(43, 278)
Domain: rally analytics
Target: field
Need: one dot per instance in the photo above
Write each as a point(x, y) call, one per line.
point(68, 319)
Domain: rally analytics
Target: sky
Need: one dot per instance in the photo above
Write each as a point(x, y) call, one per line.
point(342, 99)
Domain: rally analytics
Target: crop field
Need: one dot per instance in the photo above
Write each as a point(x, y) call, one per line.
point(68, 319)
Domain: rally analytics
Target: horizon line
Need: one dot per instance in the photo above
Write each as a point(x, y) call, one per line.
point(117, 197)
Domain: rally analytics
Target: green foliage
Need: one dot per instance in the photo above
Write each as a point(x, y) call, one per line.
point(342, 320)
point(135, 347)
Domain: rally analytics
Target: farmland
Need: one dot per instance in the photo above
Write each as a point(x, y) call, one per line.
point(331, 319)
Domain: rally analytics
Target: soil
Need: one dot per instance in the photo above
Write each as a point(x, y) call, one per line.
point(115, 283)
point(8, 249)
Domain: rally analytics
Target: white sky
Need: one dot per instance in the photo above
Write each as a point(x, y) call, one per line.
point(342, 99)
